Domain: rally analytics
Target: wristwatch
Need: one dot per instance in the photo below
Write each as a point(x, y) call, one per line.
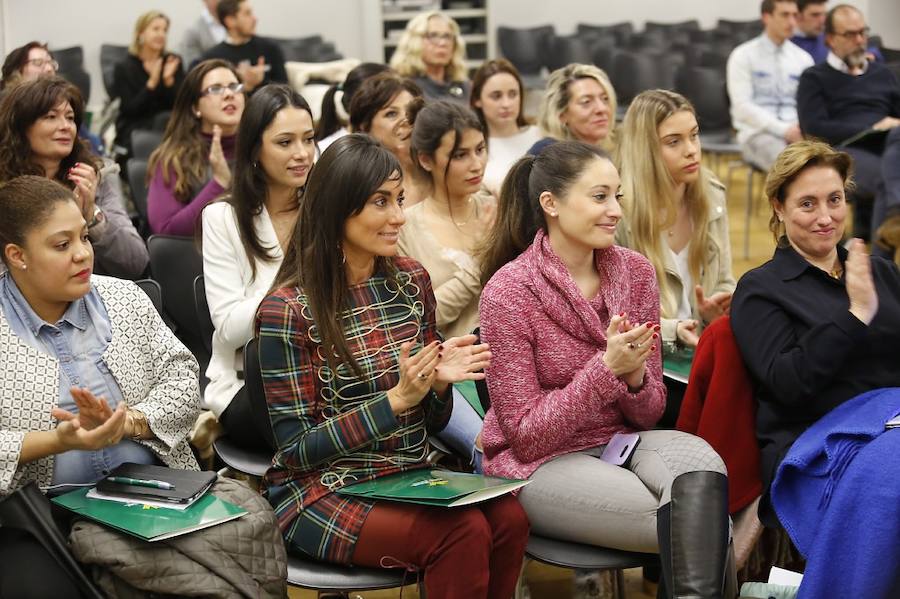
point(98, 218)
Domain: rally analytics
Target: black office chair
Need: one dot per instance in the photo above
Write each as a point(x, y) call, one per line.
point(565, 50)
point(174, 263)
point(160, 120)
point(204, 318)
point(153, 291)
point(27, 509)
point(110, 56)
point(635, 72)
point(69, 58)
point(670, 28)
point(143, 142)
point(137, 181)
point(78, 77)
point(527, 49)
point(303, 572)
point(621, 32)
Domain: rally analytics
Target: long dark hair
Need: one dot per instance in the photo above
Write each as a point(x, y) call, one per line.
point(20, 107)
point(430, 121)
point(331, 120)
point(485, 72)
point(184, 152)
point(248, 181)
point(346, 175)
point(519, 214)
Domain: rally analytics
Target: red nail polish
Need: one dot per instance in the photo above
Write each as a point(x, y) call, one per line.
point(656, 328)
point(440, 355)
point(655, 336)
point(621, 314)
point(649, 325)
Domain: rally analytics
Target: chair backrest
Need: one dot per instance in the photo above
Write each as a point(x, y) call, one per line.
point(635, 72)
point(137, 180)
point(667, 28)
point(705, 88)
point(143, 142)
point(69, 58)
point(153, 291)
point(78, 77)
point(203, 316)
point(174, 264)
point(525, 48)
point(620, 31)
point(160, 120)
point(110, 56)
point(564, 50)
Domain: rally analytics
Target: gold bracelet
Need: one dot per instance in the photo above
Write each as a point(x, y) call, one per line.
point(138, 424)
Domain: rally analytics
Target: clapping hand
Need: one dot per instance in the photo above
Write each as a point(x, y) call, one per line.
point(417, 374)
point(860, 286)
point(628, 346)
point(85, 179)
point(713, 306)
point(154, 69)
point(217, 162)
point(461, 359)
point(94, 427)
point(169, 69)
point(253, 75)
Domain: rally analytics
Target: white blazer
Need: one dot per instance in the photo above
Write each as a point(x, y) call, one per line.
point(232, 297)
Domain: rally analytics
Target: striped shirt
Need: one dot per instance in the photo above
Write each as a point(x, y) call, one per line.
point(332, 427)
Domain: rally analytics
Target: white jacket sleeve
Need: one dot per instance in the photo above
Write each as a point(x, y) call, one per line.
point(232, 305)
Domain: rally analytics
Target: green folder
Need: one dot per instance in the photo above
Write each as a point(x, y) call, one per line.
point(442, 488)
point(677, 365)
point(151, 523)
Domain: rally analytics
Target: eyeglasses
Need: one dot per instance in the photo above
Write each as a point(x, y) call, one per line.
point(435, 37)
point(41, 62)
point(850, 35)
point(218, 89)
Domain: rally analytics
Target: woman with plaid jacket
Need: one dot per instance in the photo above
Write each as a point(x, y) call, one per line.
point(356, 377)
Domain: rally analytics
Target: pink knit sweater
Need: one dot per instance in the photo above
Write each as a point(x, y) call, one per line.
point(550, 391)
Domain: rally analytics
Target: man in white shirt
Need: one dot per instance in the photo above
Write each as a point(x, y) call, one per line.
point(205, 33)
point(762, 83)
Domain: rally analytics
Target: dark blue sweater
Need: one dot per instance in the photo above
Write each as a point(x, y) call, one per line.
point(834, 106)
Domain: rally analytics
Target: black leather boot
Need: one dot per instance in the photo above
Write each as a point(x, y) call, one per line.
point(694, 537)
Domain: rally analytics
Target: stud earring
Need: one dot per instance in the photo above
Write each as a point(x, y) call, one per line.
point(24, 267)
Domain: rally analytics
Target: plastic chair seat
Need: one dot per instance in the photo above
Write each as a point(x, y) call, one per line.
point(312, 574)
point(565, 554)
point(242, 460)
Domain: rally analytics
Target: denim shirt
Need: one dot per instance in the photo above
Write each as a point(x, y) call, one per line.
point(78, 340)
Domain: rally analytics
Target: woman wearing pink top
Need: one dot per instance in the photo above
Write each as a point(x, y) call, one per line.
point(572, 321)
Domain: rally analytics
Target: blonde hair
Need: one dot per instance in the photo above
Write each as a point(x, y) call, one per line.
point(140, 25)
point(407, 58)
point(557, 97)
point(648, 189)
point(795, 159)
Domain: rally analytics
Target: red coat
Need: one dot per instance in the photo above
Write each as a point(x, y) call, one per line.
point(718, 406)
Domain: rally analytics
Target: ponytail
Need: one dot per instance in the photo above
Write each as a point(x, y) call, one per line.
point(519, 213)
point(330, 120)
point(519, 217)
point(336, 102)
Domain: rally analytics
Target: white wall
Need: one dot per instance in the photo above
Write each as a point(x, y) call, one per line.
point(353, 24)
point(89, 23)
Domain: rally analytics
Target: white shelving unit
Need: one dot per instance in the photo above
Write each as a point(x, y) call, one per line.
point(472, 19)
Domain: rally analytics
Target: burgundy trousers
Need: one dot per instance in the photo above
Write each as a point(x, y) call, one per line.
point(470, 552)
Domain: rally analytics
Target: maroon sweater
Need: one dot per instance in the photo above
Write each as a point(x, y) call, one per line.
point(550, 391)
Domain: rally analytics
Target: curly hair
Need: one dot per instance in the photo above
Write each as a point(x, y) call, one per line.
point(407, 58)
point(20, 108)
point(557, 95)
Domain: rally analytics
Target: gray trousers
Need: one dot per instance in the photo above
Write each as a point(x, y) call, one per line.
point(578, 497)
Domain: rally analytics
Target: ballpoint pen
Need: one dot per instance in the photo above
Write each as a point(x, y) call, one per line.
point(155, 484)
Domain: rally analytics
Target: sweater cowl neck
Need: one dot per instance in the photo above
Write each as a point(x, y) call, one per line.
point(560, 296)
